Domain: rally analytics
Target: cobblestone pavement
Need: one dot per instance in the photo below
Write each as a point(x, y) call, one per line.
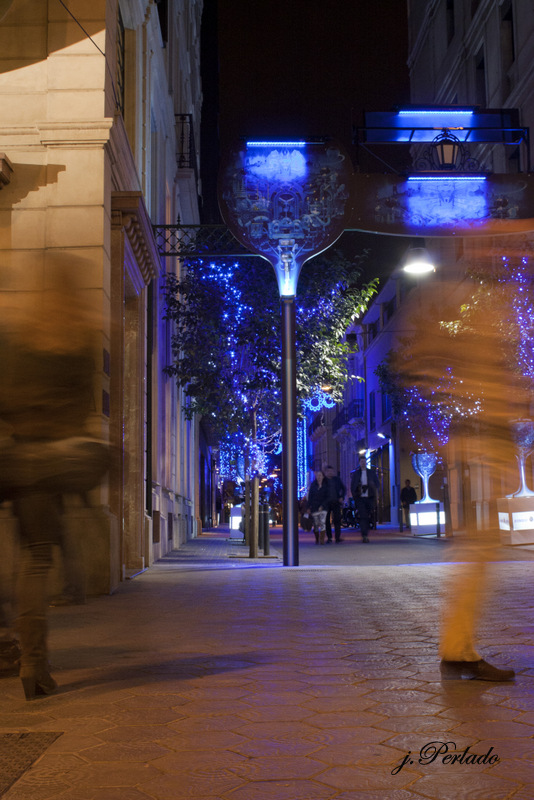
point(220, 678)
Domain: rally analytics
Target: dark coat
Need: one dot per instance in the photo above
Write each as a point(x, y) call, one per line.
point(335, 487)
point(318, 496)
point(408, 496)
point(372, 482)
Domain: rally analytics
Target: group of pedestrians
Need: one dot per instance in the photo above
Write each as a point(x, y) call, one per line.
point(326, 496)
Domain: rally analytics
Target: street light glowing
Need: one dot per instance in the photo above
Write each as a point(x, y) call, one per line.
point(418, 262)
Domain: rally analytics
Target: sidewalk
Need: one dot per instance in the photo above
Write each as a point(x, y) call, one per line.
point(220, 678)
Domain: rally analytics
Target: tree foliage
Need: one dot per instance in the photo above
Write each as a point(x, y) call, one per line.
point(226, 336)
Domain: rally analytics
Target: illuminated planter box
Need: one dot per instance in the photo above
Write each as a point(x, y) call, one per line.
point(516, 520)
point(235, 518)
point(424, 519)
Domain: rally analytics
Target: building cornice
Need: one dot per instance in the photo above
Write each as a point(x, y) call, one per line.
point(85, 133)
point(6, 170)
point(67, 135)
point(128, 213)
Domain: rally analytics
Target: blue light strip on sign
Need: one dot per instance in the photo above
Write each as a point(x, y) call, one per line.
point(276, 144)
point(447, 178)
point(436, 112)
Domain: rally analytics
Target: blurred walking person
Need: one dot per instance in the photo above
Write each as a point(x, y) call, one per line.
point(336, 496)
point(364, 487)
point(46, 399)
point(317, 504)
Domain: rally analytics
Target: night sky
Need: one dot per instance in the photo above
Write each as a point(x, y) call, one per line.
point(300, 68)
point(291, 68)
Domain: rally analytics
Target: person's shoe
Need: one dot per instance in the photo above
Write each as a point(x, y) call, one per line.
point(68, 600)
point(36, 682)
point(328, 541)
point(365, 539)
point(474, 670)
point(339, 540)
point(9, 657)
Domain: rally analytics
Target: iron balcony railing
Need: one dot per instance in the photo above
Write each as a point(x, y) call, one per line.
point(186, 156)
point(350, 415)
point(317, 422)
point(198, 241)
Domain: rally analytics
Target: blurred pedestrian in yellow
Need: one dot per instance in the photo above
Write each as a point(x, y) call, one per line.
point(465, 374)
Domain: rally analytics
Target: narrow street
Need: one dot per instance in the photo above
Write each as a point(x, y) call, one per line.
point(211, 677)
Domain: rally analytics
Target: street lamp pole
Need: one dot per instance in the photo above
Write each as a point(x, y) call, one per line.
point(289, 435)
point(287, 201)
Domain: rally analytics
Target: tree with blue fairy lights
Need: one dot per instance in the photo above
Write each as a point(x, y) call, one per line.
point(225, 333)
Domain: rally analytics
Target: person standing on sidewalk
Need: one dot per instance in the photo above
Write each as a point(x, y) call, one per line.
point(364, 487)
point(317, 504)
point(336, 495)
point(408, 497)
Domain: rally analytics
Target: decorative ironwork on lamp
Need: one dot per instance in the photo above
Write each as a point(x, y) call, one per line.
point(446, 153)
point(447, 148)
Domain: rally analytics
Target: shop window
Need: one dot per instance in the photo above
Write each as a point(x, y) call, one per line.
point(372, 411)
point(386, 407)
point(450, 20)
point(480, 78)
point(163, 14)
point(507, 44)
point(121, 51)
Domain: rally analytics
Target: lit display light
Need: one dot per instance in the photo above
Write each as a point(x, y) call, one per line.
point(523, 308)
point(276, 145)
point(287, 201)
point(318, 401)
point(455, 178)
point(302, 457)
point(446, 200)
point(278, 165)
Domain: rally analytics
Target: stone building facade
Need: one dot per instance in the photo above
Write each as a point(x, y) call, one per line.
point(98, 98)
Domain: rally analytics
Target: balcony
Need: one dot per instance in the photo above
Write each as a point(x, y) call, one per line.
point(317, 427)
point(353, 414)
point(186, 155)
point(207, 241)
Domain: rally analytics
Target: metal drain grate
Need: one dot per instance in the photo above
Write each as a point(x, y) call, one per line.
point(18, 751)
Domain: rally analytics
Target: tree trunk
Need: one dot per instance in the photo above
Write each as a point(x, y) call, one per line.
point(254, 510)
point(246, 517)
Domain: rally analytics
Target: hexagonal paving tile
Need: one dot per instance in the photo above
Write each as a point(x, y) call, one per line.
point(339, 702)
point(282, 790)
point(257, 748)
point(350, 778)
point(269, 768)
point(125, 751)
point(417, 724)
point(464, 787)
point(488, 730)
point(185, 785)
point(346, 719)
point(201, 762)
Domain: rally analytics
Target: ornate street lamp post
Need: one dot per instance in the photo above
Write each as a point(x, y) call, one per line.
point(287, 201)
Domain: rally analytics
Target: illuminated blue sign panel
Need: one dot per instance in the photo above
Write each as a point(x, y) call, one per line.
point(281, 165)
point(444, 204)
point(287, 201)
point(445, 201)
